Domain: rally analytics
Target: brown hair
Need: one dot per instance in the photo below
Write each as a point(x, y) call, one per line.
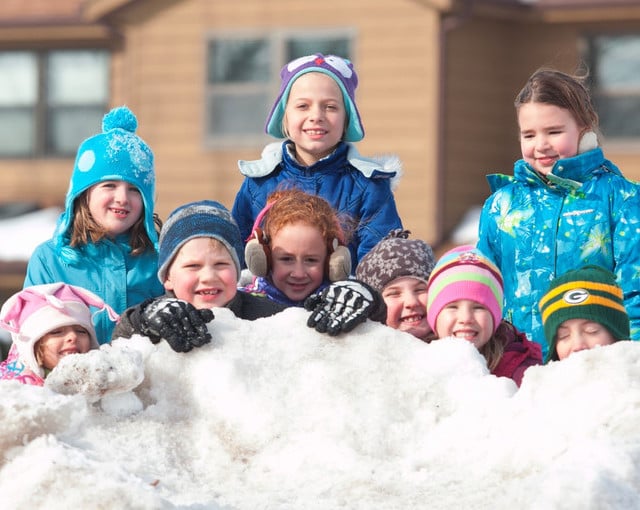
point(494, 348)
point(295, 206)
point(85, 229)
point(570, 92)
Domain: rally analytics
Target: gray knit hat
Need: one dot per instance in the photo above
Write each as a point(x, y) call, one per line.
point(393, 257)
point(206, 218)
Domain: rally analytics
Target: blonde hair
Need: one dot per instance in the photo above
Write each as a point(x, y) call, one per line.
point(85, 229)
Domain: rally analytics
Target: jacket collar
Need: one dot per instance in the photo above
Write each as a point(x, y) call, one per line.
point(567, 174)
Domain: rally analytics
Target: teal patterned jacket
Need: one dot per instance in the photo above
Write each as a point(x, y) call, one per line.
point(536, 228)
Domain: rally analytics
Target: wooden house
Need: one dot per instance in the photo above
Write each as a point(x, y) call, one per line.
point(437, 83)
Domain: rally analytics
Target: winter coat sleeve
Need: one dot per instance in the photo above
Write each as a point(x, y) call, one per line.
point(488, 237)
point(378, 216)
point(129, 323)
point(242, 210)
point(38, 269)
point(625, 221)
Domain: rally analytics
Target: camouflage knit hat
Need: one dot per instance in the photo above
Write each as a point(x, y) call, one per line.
point(393, 257)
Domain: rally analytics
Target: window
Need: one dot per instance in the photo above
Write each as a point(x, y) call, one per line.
point(51, 101)
point(243, 79)
point(615, 74)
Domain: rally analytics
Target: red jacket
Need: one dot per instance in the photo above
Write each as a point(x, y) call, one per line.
point(520, 353)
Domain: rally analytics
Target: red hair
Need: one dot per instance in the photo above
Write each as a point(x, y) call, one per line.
point(293, 205)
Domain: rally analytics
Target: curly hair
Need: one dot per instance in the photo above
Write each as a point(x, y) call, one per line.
point(289, 206)
point(85, 229)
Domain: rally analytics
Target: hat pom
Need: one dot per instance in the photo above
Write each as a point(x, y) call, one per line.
point(120, 117)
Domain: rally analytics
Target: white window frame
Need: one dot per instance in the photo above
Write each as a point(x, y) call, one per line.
point(277, 41)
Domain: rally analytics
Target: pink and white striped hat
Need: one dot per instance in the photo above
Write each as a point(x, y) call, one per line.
point(465, 273)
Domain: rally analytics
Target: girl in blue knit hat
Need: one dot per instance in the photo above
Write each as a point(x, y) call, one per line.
point(106, 239)
point(315, 112)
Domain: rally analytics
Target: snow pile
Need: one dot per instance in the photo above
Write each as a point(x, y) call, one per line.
point(273, 415)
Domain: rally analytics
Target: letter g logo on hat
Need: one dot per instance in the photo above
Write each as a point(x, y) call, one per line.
point(575, 296)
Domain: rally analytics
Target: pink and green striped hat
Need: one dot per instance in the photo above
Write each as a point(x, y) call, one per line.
point(465, 273)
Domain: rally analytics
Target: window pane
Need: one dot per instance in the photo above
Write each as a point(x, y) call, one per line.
point(301, 47)
point(234, 61)
point(19, 83)
point(619, 116)
point(17, 132)
point(71, 125)
point(78, 77)
point(238, 114)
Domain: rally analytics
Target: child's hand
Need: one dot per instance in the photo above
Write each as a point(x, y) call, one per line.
point(181, 324)
point(343, 305)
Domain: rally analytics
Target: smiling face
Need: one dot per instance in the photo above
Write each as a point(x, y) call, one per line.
point(203, 274)
point(465, 319)
point(580, 334)
point(298, 253)
point(314, 117)
point(547, 133)
point(61, 342)
point(115, 206)
point(406, 300)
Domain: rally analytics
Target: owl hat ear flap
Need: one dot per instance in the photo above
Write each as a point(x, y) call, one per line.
point(257, 254)
point(338, 262)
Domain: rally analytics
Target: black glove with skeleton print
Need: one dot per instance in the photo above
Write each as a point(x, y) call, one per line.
point(343, 305)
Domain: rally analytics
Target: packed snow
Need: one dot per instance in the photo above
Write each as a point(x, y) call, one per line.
point(273, 415)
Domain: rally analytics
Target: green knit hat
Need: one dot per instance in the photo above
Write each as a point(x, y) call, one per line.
point(590, 292)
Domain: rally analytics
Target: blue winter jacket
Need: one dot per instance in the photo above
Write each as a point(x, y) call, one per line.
point(353, 185)
point(106, 268)
point(534, 229)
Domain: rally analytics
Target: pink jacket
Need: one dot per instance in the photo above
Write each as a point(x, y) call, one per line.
point(13, 368)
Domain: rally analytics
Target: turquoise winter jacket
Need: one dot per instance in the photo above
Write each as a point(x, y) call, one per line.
point(536, 228)
point(106, 268)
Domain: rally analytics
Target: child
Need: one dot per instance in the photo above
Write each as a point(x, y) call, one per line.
point(564, 207)
point(47, 322)
point(399, 268)
point(316, 112)
point(299, 249)
point(583, 308)
point(199, 266)
point(464, 300)
point(106, 239)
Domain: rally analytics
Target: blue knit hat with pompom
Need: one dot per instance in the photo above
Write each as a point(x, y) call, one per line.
point(116, 154)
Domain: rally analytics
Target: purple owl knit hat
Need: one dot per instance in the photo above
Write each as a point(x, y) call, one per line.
point(338, 68)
